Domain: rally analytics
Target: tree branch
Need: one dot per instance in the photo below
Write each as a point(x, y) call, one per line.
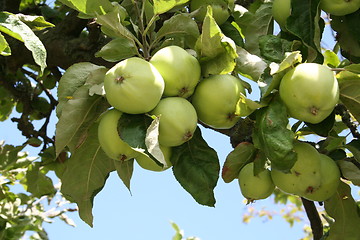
point(314, 218)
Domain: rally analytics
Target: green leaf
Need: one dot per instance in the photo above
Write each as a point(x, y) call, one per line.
point(76, 76)
point(90, 7)
point(124, 170)
point(271, 80)
point(343, 208)
point(350, 171)
point(117, 49)
point(216, 52)
point(9, 156)
point(331, 59)
point(350, 94)
point(273, 48)
point(354, 148)
point(305, 23)
point(162, 6)
point(249, 65)
point(233, 31)
point(78, 114)
point(273, 137)
point(35, 22)
point(196, 167)
point(132, 129)
point(85, 174)
point(324, 127)
point(355, 68)
point(4, 46)
point(112, 24)
point(13, 26)
point(236, 160)
point(254, 24)
point(6, 104)
point(179, 26)
point(347, 34)
point(38, 183)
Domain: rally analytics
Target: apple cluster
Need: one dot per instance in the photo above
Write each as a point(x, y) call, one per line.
point(170, 87)
point(314, 176)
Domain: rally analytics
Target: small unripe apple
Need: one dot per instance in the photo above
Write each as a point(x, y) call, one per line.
point(219, 7)
point(133, 86)
point(340, 7)
point(281, 10)
point(148, 163)
point(179, 69)
point(178, 121)
point(255, 187)
point(109, 138)
point(310, 92)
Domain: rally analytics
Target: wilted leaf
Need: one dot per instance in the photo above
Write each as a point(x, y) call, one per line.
point(272, 136)
point(236, 159)
point(86, 173)
point(343, 208)
point(196, 167)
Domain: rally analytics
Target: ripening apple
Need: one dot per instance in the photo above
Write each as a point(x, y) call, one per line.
point(219, 8)
point(340, 7)
point(179, 69)
point(109, 138)
point(178, 121)
point(330, 180)
point(216, 100)
point(133, 86)
point(310, 92)
point(148, 163)
point(255, 187)
point(281, 10)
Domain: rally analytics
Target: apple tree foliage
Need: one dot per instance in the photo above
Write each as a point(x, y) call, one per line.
point(69, 45)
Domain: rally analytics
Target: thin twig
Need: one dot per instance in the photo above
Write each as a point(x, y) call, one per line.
point(314, 218)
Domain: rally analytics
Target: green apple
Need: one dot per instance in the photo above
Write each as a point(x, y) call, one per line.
point(305, 176)
point(286, 182)
point(310, 92)
point(133, 86)
point(178, 121)
point(330, 180)
point(216, 100)
point(220, 9)
point(281, 10)
point(255, 187)
point(340, 7)
point(179, 69)
point(109, 138)
point(148, 163)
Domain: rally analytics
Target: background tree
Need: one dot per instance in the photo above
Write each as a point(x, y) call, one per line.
point(226, 37)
